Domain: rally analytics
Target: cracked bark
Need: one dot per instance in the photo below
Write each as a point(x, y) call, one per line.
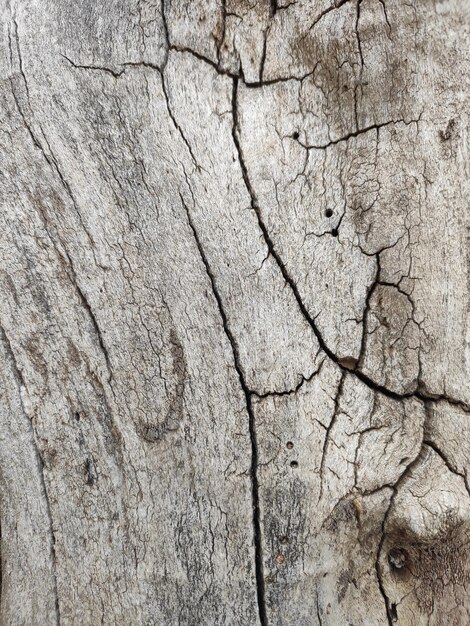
point(252, 429)
point(235, 325)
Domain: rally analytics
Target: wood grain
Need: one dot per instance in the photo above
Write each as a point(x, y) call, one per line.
point(235, 315)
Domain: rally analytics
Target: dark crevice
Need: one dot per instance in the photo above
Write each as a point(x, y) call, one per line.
point(203, 58)
point(100, 68)
point(320, 623)
point(390, 607)
point(175, 123)
point(263, 55)
point(359, 45)
point(259, 568)
point(223, 8)
point(165, 31)
point(40, 465)
point(370, 292)
point(389, 26)
point(358, 132)
point(118, 74)
point(426, 396)
point(420, 393)
point(326, 441)
point(358, 85)
point(336, 5)
point(249, 84)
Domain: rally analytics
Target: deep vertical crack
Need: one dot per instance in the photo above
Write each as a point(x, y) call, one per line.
point(166, 33)
point(259, 568)
point(378, 570)
point(327, 439)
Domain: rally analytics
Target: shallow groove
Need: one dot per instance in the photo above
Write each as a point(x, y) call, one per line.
point(40, 464)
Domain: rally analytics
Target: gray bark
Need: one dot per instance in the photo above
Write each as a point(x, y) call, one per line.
point(235, 318)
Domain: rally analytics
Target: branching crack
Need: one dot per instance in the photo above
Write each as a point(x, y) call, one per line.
point(336, 5)
point(450, 466)
point(259, 568)
point(119, 71)
point(255, 206)
point(289, 392)
point(421, 394)
point(360, 131)
point(390, 610)
point(326, 441)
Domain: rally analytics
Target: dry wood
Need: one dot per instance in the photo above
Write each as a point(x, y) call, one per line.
point(234, 261)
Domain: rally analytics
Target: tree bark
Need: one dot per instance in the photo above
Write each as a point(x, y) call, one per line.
point(235, 315)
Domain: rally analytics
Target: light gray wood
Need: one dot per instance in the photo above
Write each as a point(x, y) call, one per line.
point(235, 358)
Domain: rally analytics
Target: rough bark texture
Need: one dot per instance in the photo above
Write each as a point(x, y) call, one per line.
point(235, 312)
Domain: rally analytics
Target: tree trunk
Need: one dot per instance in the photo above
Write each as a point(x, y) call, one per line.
point(235, 315)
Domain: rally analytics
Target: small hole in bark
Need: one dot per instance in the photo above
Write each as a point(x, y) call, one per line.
point(334, 232)
point(280, 559)
point(289, 445)
point(397, 559)
point(77, 416)
point(328, 212)
point(294, 464)
point(296, 135)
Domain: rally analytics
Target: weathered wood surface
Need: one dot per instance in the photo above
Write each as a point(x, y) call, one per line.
point(235, 312)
